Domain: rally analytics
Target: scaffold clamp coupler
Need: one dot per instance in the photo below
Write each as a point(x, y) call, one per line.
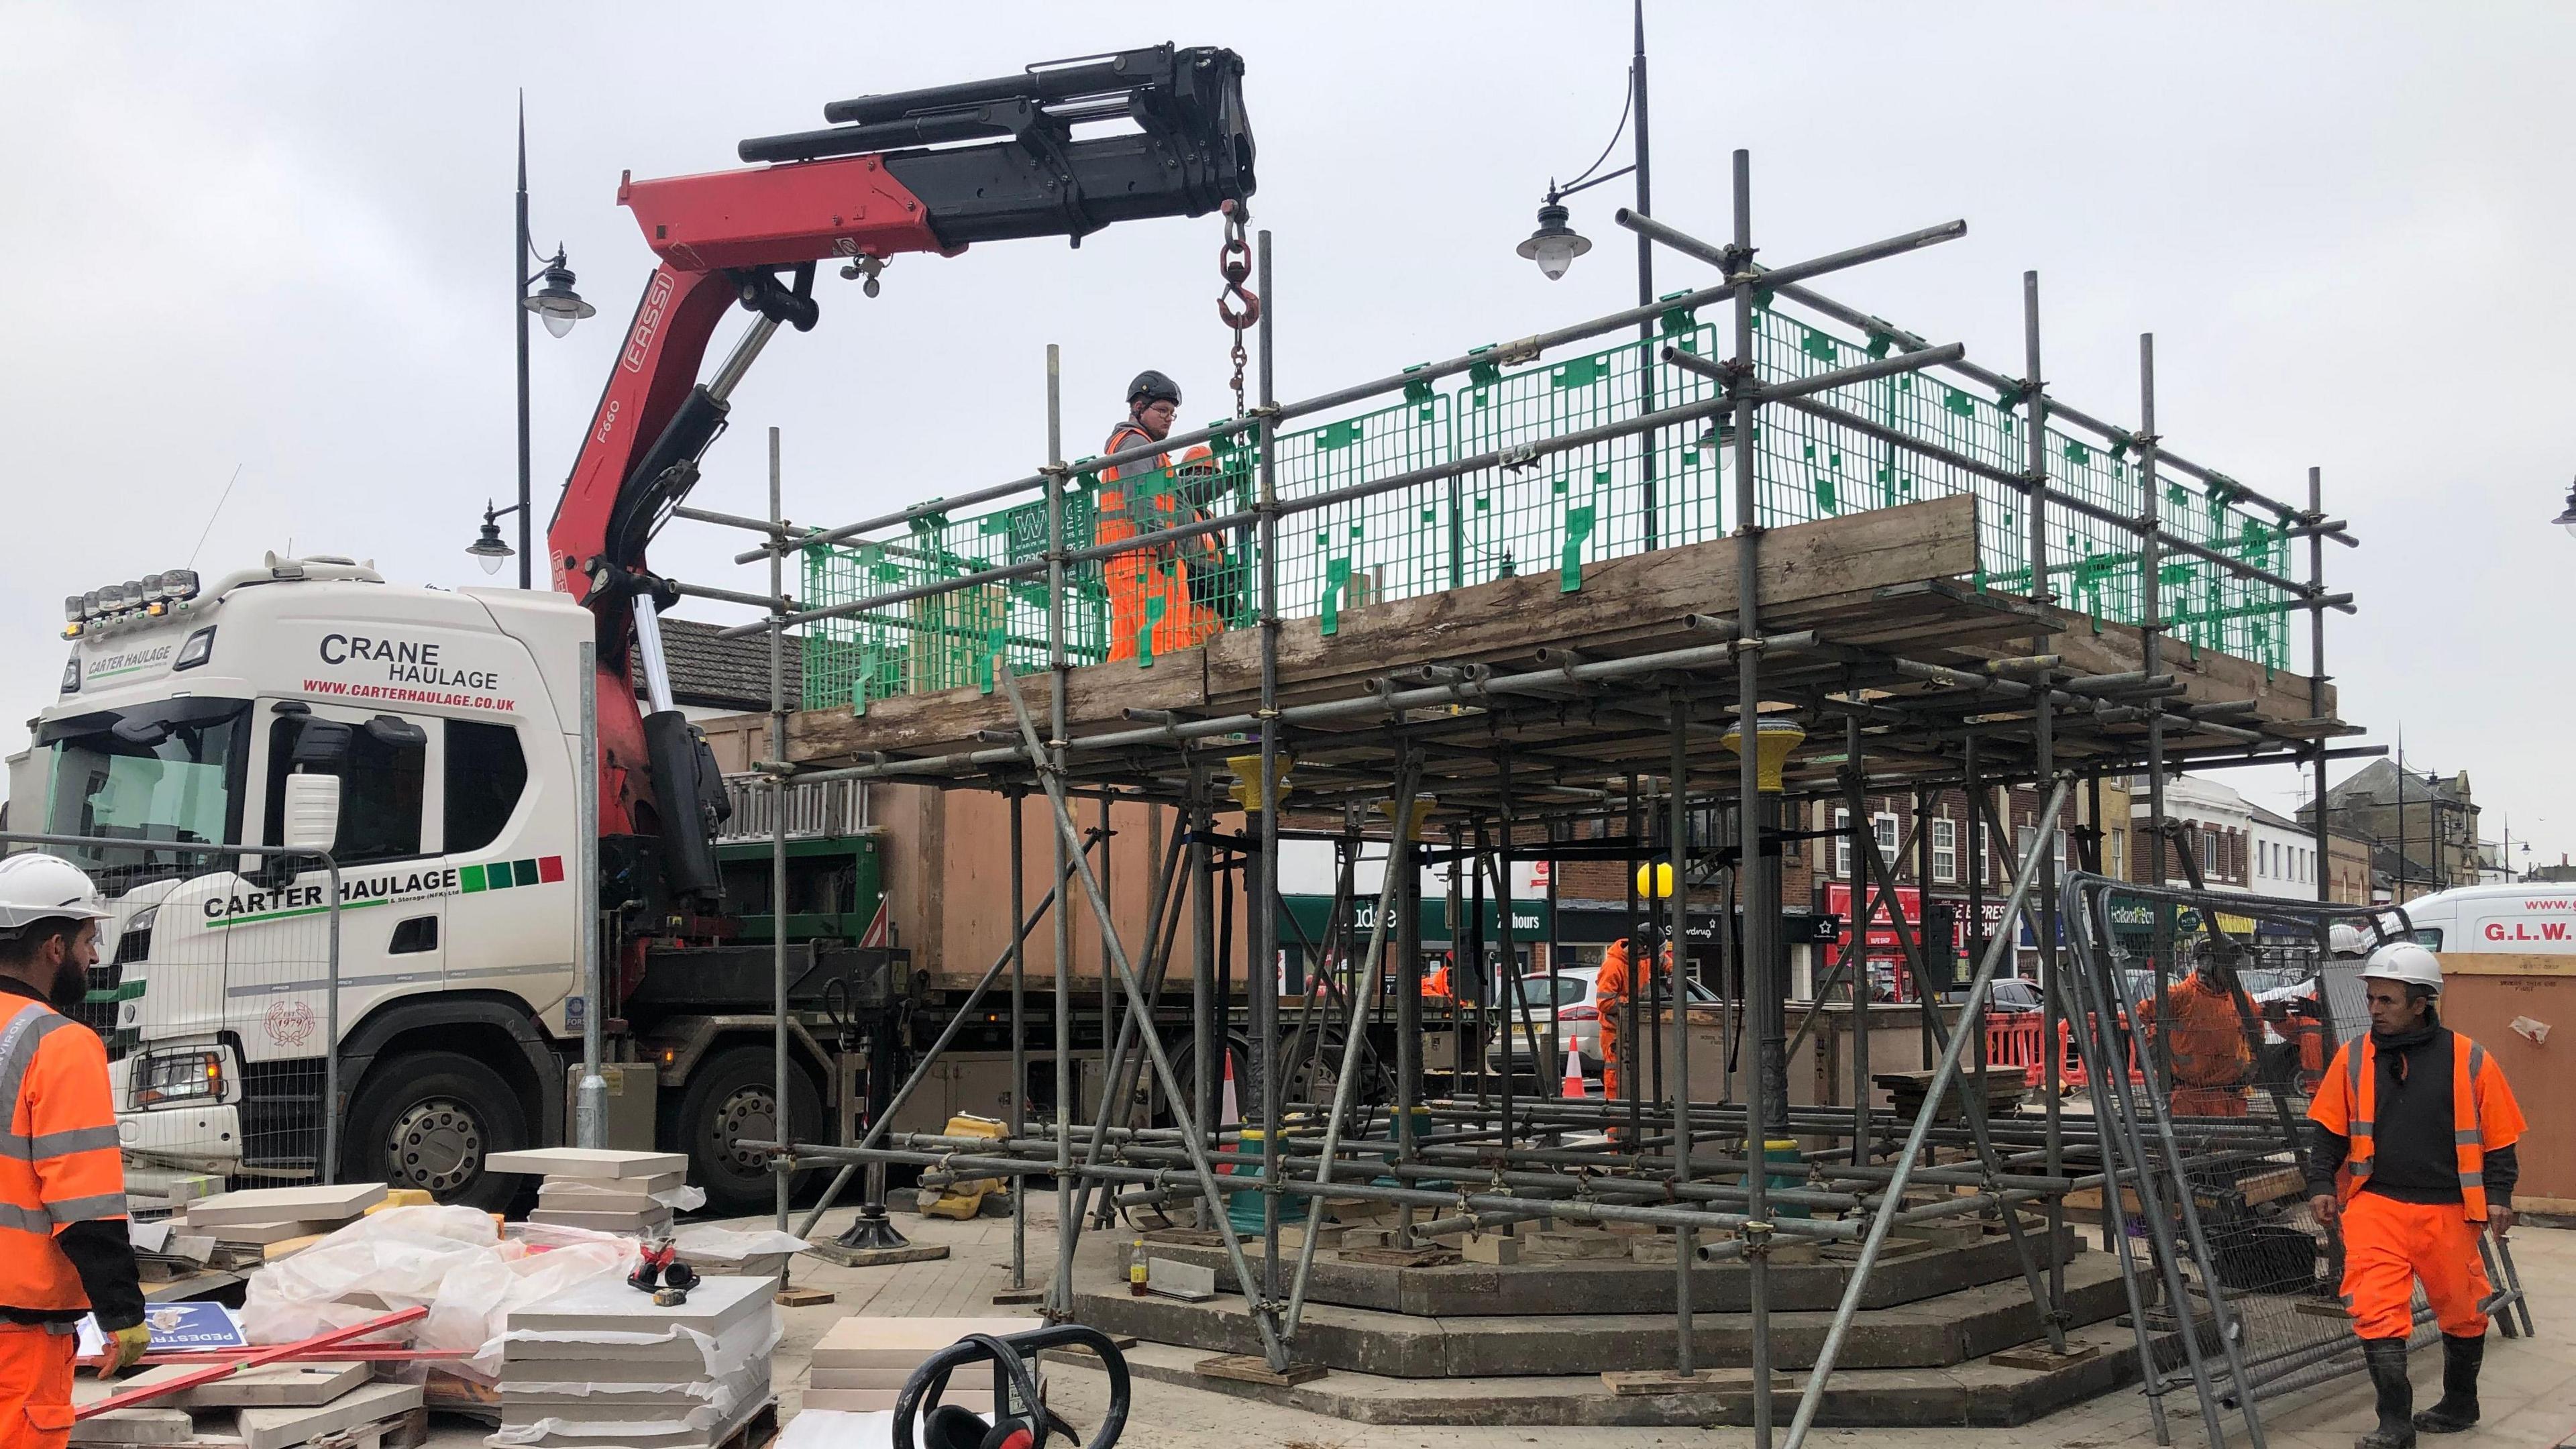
point(1757, 1236)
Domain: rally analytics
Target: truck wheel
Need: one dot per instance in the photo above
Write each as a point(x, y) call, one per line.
point(1185, 1065)
point(732, 1099)
point(430, 1120)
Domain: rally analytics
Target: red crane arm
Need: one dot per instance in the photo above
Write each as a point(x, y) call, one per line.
point(755, 237)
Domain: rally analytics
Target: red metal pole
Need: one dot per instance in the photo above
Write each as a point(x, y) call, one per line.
point(279, 1354)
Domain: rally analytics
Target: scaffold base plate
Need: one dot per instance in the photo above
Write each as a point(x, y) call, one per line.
point(831, 1252)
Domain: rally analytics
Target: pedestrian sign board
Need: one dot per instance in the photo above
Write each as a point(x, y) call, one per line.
point(176, 1328)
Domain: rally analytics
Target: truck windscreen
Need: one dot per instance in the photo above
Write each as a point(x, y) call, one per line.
point(169, 772)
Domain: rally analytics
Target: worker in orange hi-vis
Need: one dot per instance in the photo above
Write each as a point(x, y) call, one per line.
point(63, 1246)
point(1436, 985)
point(1151, 611)
point(2411, 1154)
point(1610, 992)
point(2212, 1059)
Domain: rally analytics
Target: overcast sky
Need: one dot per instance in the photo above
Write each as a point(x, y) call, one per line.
point(271, 237)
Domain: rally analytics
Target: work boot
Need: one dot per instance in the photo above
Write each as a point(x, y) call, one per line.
point(2459, 1407)
point(2386, 1360)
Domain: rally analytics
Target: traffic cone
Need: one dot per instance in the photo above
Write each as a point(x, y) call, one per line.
point(1226, 1110)
point(1573, 1090)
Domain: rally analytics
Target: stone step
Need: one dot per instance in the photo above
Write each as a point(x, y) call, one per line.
point(1931, 1333)
point(1619, 1285)
point(1977, 1393)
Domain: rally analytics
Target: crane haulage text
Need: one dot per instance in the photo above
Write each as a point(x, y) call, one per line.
point(406, 661)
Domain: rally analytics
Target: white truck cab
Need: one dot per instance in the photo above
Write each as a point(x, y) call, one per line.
point(450, 721)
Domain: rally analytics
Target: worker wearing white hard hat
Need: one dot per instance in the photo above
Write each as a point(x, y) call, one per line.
point(2412, 1154)
point(64, 1251)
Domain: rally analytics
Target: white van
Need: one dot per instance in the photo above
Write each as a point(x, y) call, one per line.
point(2534, 918)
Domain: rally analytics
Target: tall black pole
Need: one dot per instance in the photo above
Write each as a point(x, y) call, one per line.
point(519, 311)
point(2397, 893)
point(1645, 287)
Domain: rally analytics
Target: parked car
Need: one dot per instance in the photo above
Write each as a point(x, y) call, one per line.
point(1575, 1009)
point(2015, 996)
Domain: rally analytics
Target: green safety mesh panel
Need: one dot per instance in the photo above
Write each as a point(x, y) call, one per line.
point(1549, 515)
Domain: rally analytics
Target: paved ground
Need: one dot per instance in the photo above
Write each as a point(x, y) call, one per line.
point(2529, 1388)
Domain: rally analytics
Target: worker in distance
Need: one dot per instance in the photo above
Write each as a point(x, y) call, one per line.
point(2411, 1156)
point(64, 1251)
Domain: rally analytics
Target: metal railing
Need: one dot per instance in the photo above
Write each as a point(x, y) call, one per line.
point(246, 965)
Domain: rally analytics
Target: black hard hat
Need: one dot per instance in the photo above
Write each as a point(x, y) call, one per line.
point(1152, 386)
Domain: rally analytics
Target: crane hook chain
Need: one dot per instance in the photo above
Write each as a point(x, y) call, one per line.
point(1236, 306)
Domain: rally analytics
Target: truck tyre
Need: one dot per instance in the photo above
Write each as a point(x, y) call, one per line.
point(430, 1120)
point(732, 1098)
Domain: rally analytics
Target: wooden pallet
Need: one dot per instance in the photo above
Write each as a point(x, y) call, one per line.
point(757, 1431)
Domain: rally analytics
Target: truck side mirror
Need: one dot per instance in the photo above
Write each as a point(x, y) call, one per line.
point(310, 816)
point(322, 744)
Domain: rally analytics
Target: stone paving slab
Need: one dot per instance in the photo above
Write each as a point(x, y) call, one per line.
point(1535, 1286)
point(2529, 1404)
point(1932, 1333)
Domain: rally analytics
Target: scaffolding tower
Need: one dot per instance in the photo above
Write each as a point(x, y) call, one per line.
point(1516, 604)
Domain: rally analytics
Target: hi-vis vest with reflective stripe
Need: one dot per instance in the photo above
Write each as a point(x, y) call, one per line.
point(2361, 1082)
point(59, 1162)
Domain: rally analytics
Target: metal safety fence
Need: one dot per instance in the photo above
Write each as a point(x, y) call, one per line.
point(1534, 511)
point(2205, 1022)
point(217, 988)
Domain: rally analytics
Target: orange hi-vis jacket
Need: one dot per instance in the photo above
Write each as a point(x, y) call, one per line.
point(2206, 1033)
point(1610, 995)
point(2484, 1115)
point(1150, 607)
point(59, 1162)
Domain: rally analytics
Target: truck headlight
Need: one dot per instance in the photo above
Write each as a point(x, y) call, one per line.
point(192, 1076)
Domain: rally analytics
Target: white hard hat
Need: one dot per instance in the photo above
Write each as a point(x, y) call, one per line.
point(2405, 961)
point(37, 887)
point(2345, 940)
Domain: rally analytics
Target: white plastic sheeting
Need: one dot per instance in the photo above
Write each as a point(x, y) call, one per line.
point(452, 1259)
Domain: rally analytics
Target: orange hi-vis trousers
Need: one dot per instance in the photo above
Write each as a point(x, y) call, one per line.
point(35, 1386)
point(2388, 1246)
point(2207, 1102)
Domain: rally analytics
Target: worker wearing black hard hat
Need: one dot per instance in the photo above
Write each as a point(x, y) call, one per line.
point(1151, 607)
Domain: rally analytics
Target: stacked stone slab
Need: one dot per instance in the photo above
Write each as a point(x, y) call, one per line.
point(860, 1364)
point(603, 1364)
point(244, 1224)
point(603, 1189)
point(263, 1408)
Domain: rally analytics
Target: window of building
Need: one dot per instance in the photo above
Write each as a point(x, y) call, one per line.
point(2208, 848)
point(2117, 841)
point(486, 772)
point(1884, 828)
point(1945, 850)
point(1842, 845)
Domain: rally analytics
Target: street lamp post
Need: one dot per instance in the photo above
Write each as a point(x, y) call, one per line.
point(561, 307)
point(1555, 244)
point(489, 550)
